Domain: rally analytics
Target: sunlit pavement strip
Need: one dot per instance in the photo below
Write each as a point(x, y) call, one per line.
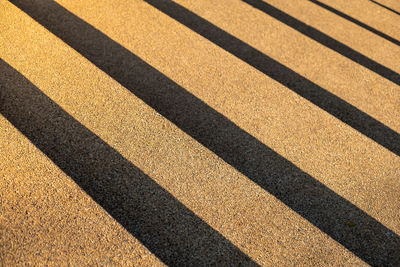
point(47, 219)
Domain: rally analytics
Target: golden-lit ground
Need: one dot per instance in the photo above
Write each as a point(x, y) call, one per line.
point(230, 132)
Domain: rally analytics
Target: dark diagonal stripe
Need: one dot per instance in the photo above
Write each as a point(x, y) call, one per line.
point(320, 97)
point(326, 40)
point(328, 211)
point(357, 22)
point(386, 7)
point(164, 225)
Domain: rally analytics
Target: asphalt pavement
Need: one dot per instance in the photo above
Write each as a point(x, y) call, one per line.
point(230, 132)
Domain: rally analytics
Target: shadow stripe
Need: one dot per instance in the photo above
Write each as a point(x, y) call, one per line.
point(385, 7)
point(165, 226)
point(317, 95)
point(328, 211)
point(326, 40)
point(357, 22)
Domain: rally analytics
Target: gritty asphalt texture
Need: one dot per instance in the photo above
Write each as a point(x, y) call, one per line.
point(153, 132)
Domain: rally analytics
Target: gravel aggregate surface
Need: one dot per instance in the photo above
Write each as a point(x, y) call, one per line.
point(231, 132)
